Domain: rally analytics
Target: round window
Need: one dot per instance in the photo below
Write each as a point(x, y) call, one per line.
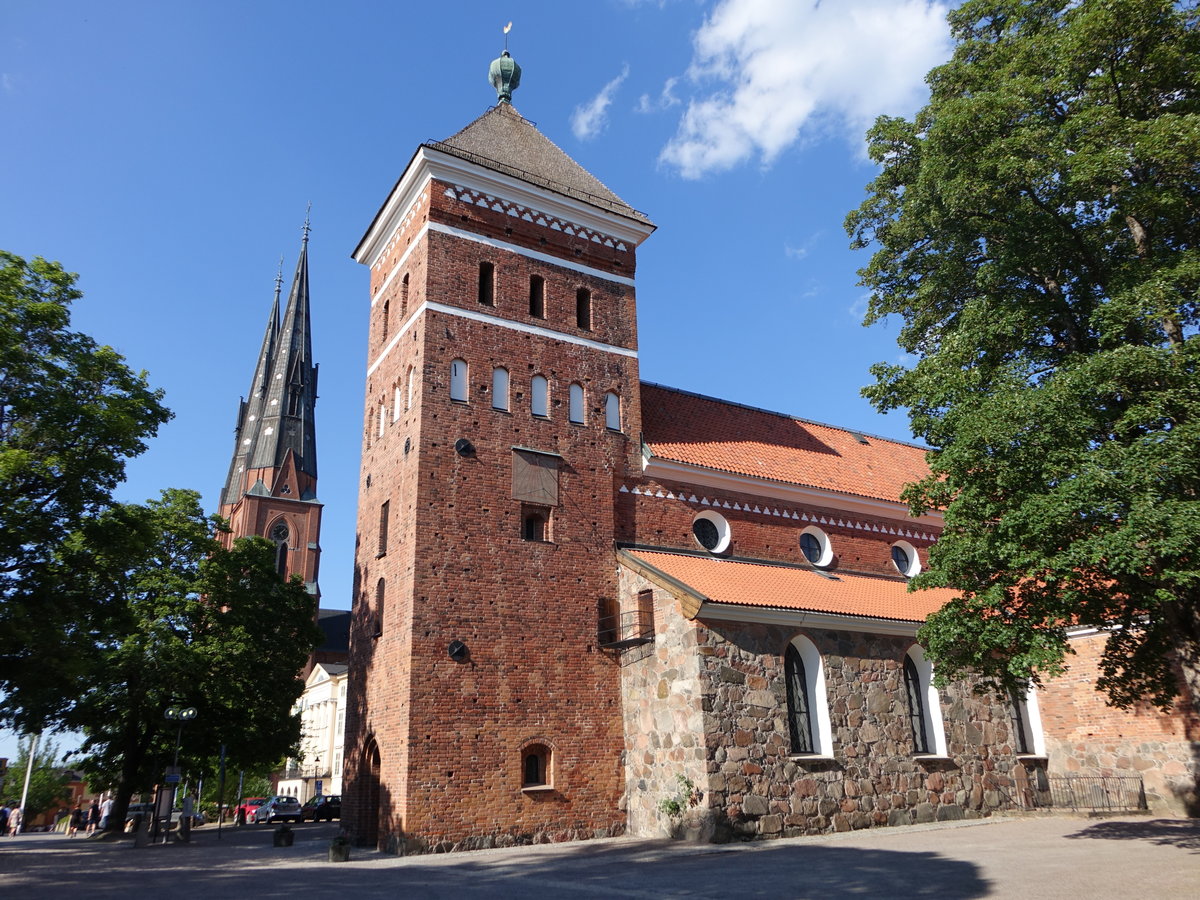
point(905, 559)
point(711, 531)
point(814, 544)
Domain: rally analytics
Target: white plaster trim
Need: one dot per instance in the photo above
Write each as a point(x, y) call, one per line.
point(1031, 717)
point(803, 618)
point(813, 518)
point(428, 163)
point(818, 698)
point(661, 469)
point(498, 322)
point(496, 244)
point(934, 726)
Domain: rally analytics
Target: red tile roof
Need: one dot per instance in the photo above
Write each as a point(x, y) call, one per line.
point(727, 581)
point(716, 434)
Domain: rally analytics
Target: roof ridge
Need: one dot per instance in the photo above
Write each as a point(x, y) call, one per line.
point(782, 415)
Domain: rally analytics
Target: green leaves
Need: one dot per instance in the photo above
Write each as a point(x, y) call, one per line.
point(1036, 230)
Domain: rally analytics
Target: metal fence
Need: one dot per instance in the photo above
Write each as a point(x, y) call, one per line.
point(1092, 793)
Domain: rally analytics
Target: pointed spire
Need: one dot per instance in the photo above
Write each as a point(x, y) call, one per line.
point(288, 422)
point(250, 411)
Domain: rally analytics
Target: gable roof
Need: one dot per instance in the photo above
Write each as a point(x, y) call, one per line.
point(503, 140)
point(715, 434)
point(730, 582)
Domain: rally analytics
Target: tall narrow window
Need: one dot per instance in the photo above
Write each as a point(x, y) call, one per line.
point(403, 296)
point(799, 721)
point(500, 388)
point(458, 380)
point(576, 404)
point(539, 398)
point(916, 706)
point(383, 331)
point(279, 536)
point(1021, 741)
point(383, 527)
point(583, 309)
point(408, 389)
point(380, 596)
point(612, 412)
point(537, 296)
point(396, 398)
point(644, 624)
point(382, 416)
point(487, 284)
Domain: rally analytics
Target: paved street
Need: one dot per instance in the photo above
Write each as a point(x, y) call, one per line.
point(1004, 858)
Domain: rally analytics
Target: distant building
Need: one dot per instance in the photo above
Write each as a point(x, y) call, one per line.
point(322, 708)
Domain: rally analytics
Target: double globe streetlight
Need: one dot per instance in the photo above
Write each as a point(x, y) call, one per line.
point(182, 715)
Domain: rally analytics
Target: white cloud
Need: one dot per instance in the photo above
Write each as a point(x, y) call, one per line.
point(666, 98)
point(801, 250)
point(8, 83)
point(589, 119)
point(858, 308)
point(770, 74)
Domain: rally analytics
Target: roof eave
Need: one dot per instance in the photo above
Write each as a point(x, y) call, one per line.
point(772, 615)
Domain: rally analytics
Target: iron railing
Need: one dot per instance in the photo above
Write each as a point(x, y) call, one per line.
point(1092, 793)
point(618, 631)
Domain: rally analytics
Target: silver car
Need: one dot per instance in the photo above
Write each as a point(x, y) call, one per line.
point(279, 808)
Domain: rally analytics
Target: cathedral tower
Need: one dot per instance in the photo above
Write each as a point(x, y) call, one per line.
point(501, 413)
point(271, 488)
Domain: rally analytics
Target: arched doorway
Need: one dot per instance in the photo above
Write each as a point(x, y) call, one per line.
point(369, 817)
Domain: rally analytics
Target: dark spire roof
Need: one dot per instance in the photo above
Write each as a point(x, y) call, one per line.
point(505, 141)
point(250, 411)
point(288, 422)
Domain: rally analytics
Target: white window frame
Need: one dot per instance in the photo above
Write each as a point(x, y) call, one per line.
point(818, 699)
point(458, 380)
point(575, 404)
point(500, 388)
point(935, 730)
point(612, 411)
point(539, 396)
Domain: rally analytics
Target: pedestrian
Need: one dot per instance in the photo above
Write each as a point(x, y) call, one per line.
point(93, 817)
point(4, 813)
point(75, 822)
point(106, 813)
point(16, 819)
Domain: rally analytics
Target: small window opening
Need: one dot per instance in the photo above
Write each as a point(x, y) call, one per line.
point(487, 284)
point(383, 330)
point(537, 296)
point(404, 295)
point(280, 535)
point(535, 524)
point(383, 528)
point(458, 380)
point(380, 594)
point(583, 309)
point(539, 399)
point(612, 412)
point(535, 766)
point(500, 388)
point(575, 404)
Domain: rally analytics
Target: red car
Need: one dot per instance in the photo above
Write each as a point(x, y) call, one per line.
point(244, 811)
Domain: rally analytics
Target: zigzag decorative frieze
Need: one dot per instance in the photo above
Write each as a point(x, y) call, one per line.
point(408, 217)
point(528, 214)
point(778, 512)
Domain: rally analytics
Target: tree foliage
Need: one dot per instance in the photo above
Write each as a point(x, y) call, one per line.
point(71, 414)
point(47, 782)
point(1036, 228)
point(185, 622)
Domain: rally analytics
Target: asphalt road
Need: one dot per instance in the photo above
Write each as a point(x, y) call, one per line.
point(1135, 857)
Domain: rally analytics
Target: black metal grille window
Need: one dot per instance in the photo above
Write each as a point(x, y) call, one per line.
point(799, 719)
point(916, 706)
point(810, 547)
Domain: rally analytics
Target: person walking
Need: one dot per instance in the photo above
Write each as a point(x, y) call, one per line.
point(75, 822)
point(4, 813)
point(93, 817)
point(106, 813)
point(16, 819)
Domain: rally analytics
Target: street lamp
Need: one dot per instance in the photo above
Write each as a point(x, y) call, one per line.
point(182, 715)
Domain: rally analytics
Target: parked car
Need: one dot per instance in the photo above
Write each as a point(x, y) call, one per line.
point(244, 811)
point(322, 807)
point(281, 808)
point(135, 813)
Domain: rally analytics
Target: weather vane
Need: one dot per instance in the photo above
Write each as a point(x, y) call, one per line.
point(307, 216)
point(279, 277)
point(507, 29)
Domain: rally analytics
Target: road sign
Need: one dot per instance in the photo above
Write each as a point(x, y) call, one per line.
point(320, 784)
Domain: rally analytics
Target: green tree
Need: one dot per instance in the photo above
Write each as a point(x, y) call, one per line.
point(71, 414)
point(47, 782)
point(188, 623)
point(1036, 228)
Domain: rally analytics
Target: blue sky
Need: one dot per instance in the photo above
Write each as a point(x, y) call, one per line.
point(167, 152)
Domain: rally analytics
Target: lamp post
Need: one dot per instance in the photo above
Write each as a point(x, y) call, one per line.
point(182, 715)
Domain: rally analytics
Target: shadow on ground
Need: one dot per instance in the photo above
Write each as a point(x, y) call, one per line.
point(1182, 833)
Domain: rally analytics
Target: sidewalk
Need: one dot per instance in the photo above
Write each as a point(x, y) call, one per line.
point(998, 858)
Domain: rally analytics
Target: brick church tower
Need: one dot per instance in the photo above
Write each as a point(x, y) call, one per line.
point(271, 488)
point(502, 410)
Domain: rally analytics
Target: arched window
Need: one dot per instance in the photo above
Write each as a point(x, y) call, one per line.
point(924, 705)
point(382, 416)
point(1026, 719)
point(380, 596)
point(612, 412)
point(537, 296)
point(535, 766)
point(279, 535)
point(396, 399)
point(500, 388)
point(458, 380)
point(539, 396)
point(575, 413)
point(808, 710)
point(404, 295)
point(387, 304)
point(408, 389)
point(583, 309)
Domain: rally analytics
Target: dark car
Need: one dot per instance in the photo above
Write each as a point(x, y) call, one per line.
point(322, 807)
